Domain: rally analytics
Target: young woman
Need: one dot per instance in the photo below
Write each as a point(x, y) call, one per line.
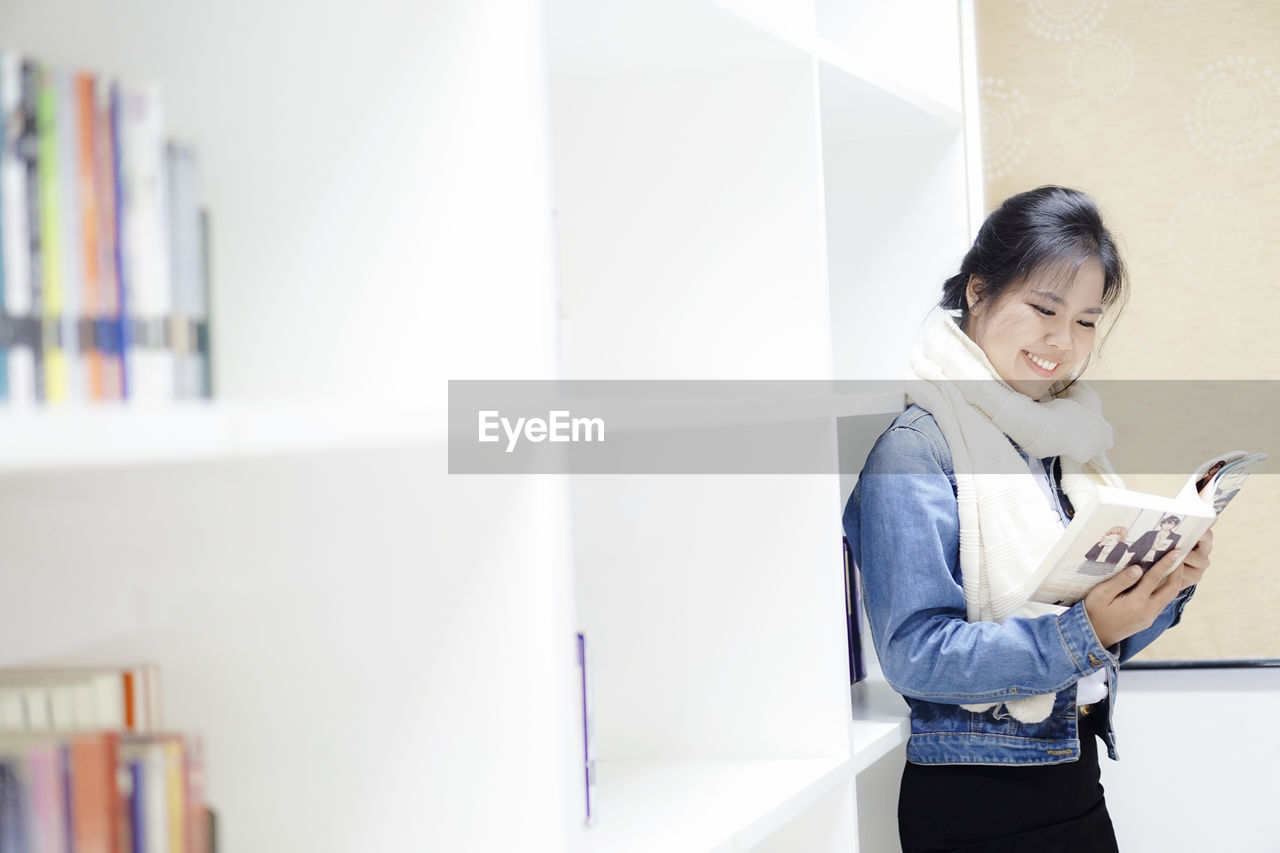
point(957, 502)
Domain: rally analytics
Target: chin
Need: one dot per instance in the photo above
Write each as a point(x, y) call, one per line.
point(1035, 389)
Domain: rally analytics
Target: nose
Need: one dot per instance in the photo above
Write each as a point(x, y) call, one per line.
point(1059, 335)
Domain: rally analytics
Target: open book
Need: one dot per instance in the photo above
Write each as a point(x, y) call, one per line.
point(1119, 528)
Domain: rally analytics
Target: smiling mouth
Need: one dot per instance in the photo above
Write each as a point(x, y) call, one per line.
point(1040, 365)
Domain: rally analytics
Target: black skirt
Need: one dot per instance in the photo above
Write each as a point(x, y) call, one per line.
point(984, 809)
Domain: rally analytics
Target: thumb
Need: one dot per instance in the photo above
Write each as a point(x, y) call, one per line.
point(1122, 582)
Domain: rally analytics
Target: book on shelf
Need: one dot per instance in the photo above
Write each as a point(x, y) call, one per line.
point(103, 252)
point(586, 683)
point(853, 615)
point(80, 699)
point(102, 792)
point(84, 774)
point(1118, 528)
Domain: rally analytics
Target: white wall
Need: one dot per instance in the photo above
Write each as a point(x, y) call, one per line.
point(1199, 751)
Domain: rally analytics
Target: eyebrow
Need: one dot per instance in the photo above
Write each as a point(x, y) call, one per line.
point(1058, 300)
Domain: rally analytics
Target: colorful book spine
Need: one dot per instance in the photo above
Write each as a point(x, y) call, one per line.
point(203, 337)
point(48, 819)
point(22, 335)
point(853, 615)
point(93, 792)
point(108, 320)
point(138, 805)
point(71, 243)
point(28, 147)
point(13, 810)
point(86, 158)
point(149, 361)
point(48, 170)
point(186, 263)
point(119, 252)
point(6, 331)
point(104, 252)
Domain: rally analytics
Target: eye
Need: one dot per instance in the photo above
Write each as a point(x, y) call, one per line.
point(1088, 325)
point(1045, 311)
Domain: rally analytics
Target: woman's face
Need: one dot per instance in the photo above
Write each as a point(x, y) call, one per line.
point(1036, 335)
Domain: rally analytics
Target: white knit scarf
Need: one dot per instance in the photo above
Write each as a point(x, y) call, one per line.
point(1006, 524)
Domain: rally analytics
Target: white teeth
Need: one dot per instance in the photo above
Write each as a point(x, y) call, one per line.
point(1047, 365)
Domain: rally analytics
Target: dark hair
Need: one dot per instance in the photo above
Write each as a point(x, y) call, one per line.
point(1050, 231)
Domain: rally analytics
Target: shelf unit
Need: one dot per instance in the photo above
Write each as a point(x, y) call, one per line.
point(403, 195)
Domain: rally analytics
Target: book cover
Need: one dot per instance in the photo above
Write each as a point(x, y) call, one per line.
point(202, 333)
point(197, 817)
point(67, 139)
point(149, 759)
point(82, 698)
point(1118, 528)
point(853, 615)
point(175, 794)
point(86, 157)
point(13, 811)
point(94, 792)
point(15, 200)
point(48, 171)
point(588, 730)
point(6, 332)
point(115, 330)
point(141, 839)
point(149, 362)
point(47, 803)
point(106, 310)
point(185, 270)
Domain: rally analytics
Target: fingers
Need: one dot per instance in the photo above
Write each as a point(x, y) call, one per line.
point(1173, 585)
point(1196, 560)
point(1155, 576)
point(1121, 583)
point(1205, 545)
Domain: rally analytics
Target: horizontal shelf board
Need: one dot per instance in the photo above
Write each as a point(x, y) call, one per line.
point(704, 807)
point(861, 102)
point(587, 37)
point(881, 721)
point(76, 437)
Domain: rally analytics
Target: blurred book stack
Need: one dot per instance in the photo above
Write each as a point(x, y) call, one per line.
point(104, 283)
point(85, 766)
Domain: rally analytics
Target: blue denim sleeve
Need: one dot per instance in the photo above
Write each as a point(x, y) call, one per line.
point(903, 526)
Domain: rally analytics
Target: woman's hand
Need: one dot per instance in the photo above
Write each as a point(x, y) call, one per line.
point(1130, 602)
point(1193, 568)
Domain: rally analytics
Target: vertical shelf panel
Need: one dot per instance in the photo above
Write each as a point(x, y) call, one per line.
point(916, 42)
point(689, 210)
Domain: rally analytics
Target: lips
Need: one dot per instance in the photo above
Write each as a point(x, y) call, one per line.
point(1041, 365)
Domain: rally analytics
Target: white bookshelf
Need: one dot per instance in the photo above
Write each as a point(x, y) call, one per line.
point(707, 806)
point(406, 194)
point(880, 722)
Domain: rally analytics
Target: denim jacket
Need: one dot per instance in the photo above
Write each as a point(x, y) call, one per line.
point(903, 526)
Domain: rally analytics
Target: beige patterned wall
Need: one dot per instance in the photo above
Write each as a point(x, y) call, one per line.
point(1168, 113)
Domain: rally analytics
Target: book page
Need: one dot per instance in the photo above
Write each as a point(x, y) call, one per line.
point(1113, 538)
